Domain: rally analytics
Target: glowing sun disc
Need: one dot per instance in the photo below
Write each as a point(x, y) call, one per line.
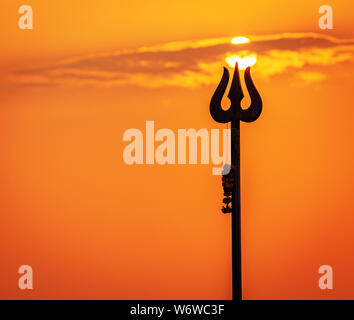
point(240, 40)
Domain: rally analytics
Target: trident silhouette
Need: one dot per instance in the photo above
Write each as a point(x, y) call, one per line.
point(235, 114)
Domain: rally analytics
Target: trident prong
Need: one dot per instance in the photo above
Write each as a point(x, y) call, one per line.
point(235, 114)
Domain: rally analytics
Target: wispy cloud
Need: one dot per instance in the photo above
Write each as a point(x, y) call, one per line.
point(196, 63)
point(309, 77)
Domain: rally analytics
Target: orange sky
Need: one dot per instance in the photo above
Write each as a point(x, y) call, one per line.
point(93, 227)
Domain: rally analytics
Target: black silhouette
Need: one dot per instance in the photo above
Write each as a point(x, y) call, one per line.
point(231, 180)
point(228, 183)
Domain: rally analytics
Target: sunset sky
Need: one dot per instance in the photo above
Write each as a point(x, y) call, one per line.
point(93, 227)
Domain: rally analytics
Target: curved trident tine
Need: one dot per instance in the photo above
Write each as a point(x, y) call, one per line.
point(254, 111)
point(218, 114)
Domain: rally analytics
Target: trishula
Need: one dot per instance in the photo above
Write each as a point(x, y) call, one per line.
point(231, 181)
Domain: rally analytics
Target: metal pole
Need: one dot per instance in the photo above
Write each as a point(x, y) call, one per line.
point(236, 213)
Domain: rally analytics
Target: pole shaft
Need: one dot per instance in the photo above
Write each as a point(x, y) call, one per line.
point(236, 213)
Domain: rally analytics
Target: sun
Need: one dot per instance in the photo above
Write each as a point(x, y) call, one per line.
point(244, 59)
point(240, 40)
